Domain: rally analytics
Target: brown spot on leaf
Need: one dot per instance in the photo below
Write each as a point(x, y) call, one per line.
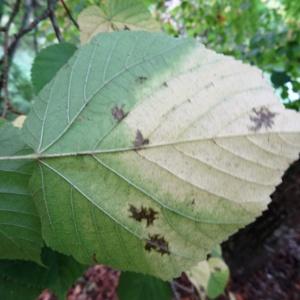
point(143, 213)
point(118, 113)
point(141, 79)
point(95, 259)
point(140, 140)
point(217, 269)
point(262, 117)
point(202, 289)
point(157, 243)
point(126, 28)
point(165, 84)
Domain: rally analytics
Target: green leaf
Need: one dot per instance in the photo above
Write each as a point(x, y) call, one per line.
point(2, 122)
point(115, 15)
point(210, 277)
point(48, 62)
point(133, 286)
point(152, 150)
point(279, 78)
point(219, 276)
point(293, 105)
point(20, 230)
point(21, 280)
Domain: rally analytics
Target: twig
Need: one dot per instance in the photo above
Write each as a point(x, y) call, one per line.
point(6, 58)
point(69, 14)
point(15, 11)
point(4, 75)
point(10, 44)
point(35, 5)
point(53, 20)
point(9, 47)
point(24, 22)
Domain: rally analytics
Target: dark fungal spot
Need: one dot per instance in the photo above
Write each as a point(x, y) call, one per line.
point(141, 79)
point(209, 85)
point(262, 117)
point(140, 140)
point(165, 84)
point(95, 259)
point(157, 243)
point(126, 28)
point(118, 113)
point(217, 269)
point(143, 213)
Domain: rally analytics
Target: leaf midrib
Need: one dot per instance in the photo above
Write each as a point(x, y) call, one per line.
point(39, 156)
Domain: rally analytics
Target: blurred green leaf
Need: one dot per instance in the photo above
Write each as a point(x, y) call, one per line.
point(293, 105)
point(21, 280)
point(264, 33)
point(134, 286)
point(48, 62)
point(20, 227)
point(279, 78)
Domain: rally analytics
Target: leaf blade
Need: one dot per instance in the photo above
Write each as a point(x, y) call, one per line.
point(58, 274)
point(48, 62)
point(144, 158)
point(114, 16)
point(19, 222)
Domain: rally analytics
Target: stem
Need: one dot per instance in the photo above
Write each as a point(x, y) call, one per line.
point(69, 14)
point(52, 17)
point(20, 157)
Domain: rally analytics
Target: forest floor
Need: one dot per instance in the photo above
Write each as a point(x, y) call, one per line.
point(264, 257)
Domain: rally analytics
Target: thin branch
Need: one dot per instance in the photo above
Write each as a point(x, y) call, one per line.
point(35, 5)
point(9, 47)
point(6, 58)
point(20, 34)
point(14, 12)
point(52, 17)
point(24, 23)
point(4, 75)
point(10, 44)
point(69, 14)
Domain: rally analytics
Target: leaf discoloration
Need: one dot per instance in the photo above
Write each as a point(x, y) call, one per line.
point(144, 213)
point(94, 258)
point(157, 243)
point(118, 113)
point(141, 79)
point(140, 140)
point(262, 117)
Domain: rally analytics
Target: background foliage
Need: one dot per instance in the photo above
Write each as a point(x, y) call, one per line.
point(263, 32)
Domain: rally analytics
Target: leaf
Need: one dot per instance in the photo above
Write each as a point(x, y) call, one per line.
point(20, 230)
point(115, 15)
point(48, 62)
point(152, 150)
point(210, 277)
point(133, 286)
point(25, 280)
point(293, 105)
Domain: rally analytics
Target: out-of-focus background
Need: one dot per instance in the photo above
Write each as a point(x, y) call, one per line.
point(265, 33)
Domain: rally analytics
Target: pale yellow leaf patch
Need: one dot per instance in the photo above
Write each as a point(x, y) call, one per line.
point(115, 15)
